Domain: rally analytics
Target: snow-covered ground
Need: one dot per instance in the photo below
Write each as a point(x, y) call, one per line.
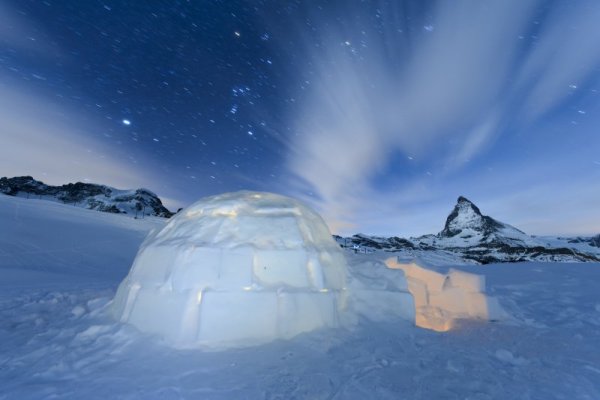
point(60, 267)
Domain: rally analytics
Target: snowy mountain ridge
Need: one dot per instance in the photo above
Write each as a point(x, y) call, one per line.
point(92, 196)
point(472, 236)
point(467, 226)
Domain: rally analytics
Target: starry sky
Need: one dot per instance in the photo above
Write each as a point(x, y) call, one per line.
point(377, 113)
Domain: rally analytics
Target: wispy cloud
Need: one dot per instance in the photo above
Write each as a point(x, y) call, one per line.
point(445, 89)
point(54, 144)
point(17, 32)
point(43, 137)
point(563, 59)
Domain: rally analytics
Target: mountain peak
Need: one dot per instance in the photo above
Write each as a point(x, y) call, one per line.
point(464, 204)
point(466, 216)
point(463, 199)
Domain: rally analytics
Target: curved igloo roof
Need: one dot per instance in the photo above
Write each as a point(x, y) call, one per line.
point(261, 220)
point(234, 269)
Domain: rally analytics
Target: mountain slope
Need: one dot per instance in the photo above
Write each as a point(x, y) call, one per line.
point(467, 226)
point(472, 236)
point(88, 195)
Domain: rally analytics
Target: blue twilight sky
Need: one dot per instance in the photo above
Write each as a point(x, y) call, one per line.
point(378, 113)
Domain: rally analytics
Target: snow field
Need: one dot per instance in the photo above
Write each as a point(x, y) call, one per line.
point(58, 339)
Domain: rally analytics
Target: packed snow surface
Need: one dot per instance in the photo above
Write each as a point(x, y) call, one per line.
point(60, 267)
point(233, 270)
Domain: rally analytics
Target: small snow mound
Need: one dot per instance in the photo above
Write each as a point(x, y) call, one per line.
point(78, 311)
point(508, 357)
point(234, 270)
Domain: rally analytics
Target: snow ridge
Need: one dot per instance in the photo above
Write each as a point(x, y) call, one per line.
point(139, 202)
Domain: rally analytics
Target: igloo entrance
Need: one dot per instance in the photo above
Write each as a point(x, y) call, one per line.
point(235, 269)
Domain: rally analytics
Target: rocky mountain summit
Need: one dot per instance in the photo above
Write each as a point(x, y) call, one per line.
point(466, 226)
point(139, 202)
point(474, 237)
point(466, 223)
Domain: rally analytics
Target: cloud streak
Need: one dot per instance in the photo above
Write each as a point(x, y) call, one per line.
point(444, 89)
point(52, 142)
point(57, 145)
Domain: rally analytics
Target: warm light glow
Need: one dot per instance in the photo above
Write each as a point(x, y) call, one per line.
point(194, 213)
point(225, 213)
point(215, 213)
point(247, 288)
point(199, 297)
point(279, 211)
point(442, 298)
point(424, 318)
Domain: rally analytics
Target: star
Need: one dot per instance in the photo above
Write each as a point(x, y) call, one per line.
point(126, 122)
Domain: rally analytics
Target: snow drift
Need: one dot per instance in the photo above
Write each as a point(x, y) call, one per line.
point(233, 270)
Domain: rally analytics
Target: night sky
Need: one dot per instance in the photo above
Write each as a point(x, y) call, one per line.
point(379, 114)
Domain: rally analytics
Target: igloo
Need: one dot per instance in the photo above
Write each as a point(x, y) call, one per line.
point(233, 270)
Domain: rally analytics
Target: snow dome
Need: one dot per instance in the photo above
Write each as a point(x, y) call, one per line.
point(235, 269)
